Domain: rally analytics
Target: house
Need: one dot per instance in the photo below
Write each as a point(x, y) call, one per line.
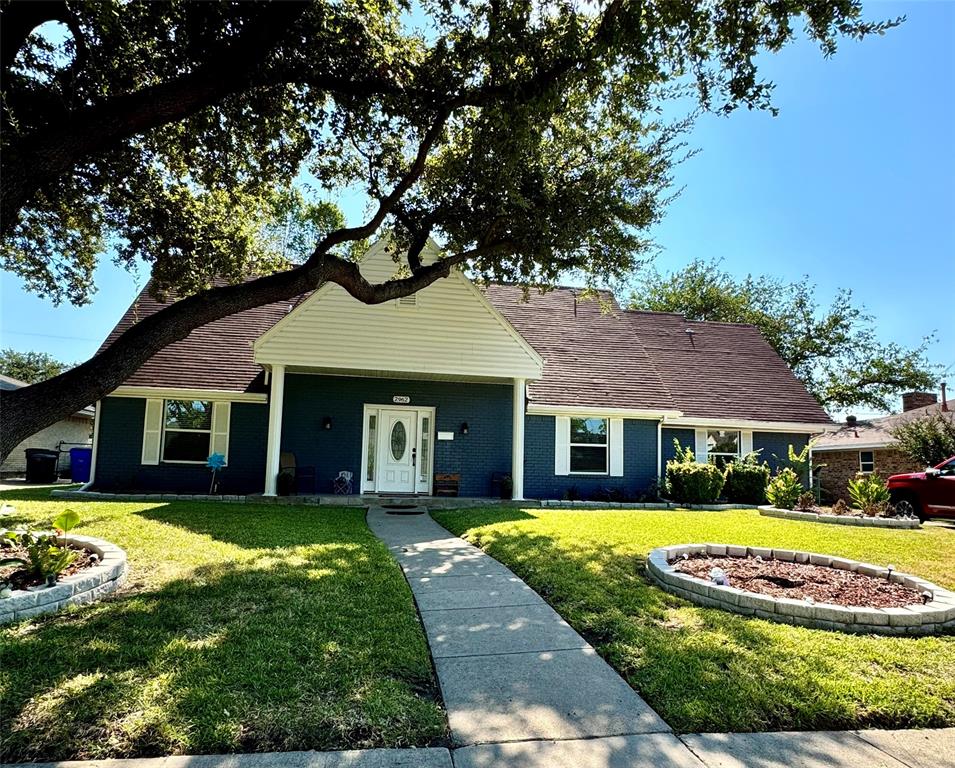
point(565, 395)
point(67, 433)
point(867, 445)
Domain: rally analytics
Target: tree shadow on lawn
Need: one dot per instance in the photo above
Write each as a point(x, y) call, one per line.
point(709, 670)
point(321, 653)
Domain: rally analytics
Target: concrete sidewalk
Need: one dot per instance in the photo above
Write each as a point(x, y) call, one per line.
point(510, 668)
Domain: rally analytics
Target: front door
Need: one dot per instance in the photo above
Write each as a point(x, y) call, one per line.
point(397, 441)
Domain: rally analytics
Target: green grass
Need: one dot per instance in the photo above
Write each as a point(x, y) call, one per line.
point(708, 670)
point(241, 628)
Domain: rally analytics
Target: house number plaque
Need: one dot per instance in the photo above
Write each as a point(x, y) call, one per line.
point(401, 399)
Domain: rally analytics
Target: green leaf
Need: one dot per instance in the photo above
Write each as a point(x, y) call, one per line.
point(67, 520)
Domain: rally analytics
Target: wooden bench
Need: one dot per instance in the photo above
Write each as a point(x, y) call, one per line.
point(446, 484)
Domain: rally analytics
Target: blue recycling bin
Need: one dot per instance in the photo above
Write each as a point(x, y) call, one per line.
point(80, 461)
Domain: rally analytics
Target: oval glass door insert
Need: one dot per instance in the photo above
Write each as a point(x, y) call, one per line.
point(399, 440)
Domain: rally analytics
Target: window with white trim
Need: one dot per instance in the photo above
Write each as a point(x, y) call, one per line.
point(187, 431)
point(722, 446)
point(588, 446)
point(866, 461)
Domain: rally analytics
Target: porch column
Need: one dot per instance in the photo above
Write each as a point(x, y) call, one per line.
point(274, 451)
point(517, 440)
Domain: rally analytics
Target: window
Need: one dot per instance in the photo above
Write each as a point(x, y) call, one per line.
point(588, 446)
point(425, 458)
point(372, 447)
point(866, 461)
point(187, 431)
point(722, 446)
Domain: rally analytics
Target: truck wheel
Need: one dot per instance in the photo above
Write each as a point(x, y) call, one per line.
point(908, 505)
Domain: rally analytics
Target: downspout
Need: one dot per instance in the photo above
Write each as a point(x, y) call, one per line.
point(89, 484)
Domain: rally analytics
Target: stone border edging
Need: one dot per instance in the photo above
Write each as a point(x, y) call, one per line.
point(815, 517)
point(88, 585)
point(936, 616)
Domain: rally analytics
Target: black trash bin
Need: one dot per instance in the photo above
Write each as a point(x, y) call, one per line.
point(41, 465)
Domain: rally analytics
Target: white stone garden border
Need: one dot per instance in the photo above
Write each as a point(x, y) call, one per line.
point(87, 585)
point(816, 517)
point(934, 617)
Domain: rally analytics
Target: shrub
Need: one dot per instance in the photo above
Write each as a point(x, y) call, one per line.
point(870, 494)
point(840, 507)
point(45, 557)
point(806, 502)
point(784, 489)
point(746, 482)
point(694, 483)
point(927, 441)
point(800, 463)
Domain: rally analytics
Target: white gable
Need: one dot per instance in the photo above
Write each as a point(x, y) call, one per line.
point(446, 329)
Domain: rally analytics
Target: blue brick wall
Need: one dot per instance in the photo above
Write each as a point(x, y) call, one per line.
point(687, 438)
point(486, 408)
point(777, 443)
point(540, 482)
point(120, 450)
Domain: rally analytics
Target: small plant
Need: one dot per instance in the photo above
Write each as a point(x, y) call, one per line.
point(784, 489)
point(285, 483)
point(806, 502)
point(840, 507)
point(507, 487)
point(800, 463)
point(46, 558)
point(870, 494)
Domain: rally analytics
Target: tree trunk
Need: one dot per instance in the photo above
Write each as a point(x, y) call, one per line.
point(25, 411)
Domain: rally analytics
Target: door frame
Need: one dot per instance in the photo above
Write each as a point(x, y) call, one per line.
point(420, 489)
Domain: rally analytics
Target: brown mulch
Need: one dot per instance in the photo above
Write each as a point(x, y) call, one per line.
point(20, 578)
point(802, 580)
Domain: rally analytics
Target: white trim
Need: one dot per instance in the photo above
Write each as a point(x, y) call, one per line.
point(517, 439)
point(152, 437)
point(605, 445)
point(541, 409)
point(759, 426)
point(561, 446)
point(96, 420)
point(166, 428)
point(273, 454)
point(660, 450)
point(699, 445)
point(173, 393)
point(745, 442)
point(856, 447)
point(221, 422)
point(615, 447)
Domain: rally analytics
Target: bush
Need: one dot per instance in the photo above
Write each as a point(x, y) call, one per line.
point(870, 494)
point(694, 483)
point(840, 507)
point(746, 482)
point(927, 441)
point(806, 502)
point(784, 489)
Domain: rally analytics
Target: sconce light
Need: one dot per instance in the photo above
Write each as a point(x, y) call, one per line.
point(464, 428)
point(327, 422)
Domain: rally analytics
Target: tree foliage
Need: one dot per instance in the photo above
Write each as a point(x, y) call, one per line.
point(30, 367)
point(928, 440)
point(834, 350)
point(524, 136)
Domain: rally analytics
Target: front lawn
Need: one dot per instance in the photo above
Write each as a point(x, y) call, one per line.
point(708, 670)
point(241, 628)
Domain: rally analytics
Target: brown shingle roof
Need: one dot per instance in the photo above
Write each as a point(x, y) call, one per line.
point(591, 356)
point(213, 356)
point(595, 355)
point(873, 433)
point(723, 370)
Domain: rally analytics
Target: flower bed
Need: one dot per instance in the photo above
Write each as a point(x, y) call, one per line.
point(100, 576)
point(823, 515)
point(804, 588)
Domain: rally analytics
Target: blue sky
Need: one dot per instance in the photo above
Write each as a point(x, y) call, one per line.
point(853, 184)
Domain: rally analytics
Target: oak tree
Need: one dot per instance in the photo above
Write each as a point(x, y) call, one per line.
point(523, 136)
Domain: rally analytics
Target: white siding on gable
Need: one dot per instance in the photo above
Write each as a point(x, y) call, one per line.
point(450, 329)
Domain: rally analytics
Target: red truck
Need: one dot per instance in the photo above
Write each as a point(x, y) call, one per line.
point(926, 494)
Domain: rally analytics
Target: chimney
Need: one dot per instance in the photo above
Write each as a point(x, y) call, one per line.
point(851, 421)
point(913, 400)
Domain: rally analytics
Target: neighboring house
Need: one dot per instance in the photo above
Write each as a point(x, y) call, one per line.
point(568, 396)
point(866, 445)
point(66, 433)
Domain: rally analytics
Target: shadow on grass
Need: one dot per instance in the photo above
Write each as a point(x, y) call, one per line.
point(319, 652)
point(709, 670)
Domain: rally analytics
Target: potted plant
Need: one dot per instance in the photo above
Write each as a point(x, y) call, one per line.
point(285, 483)
point(507, 486)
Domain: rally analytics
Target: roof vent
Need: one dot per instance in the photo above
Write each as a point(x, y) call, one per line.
point(851, 420)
